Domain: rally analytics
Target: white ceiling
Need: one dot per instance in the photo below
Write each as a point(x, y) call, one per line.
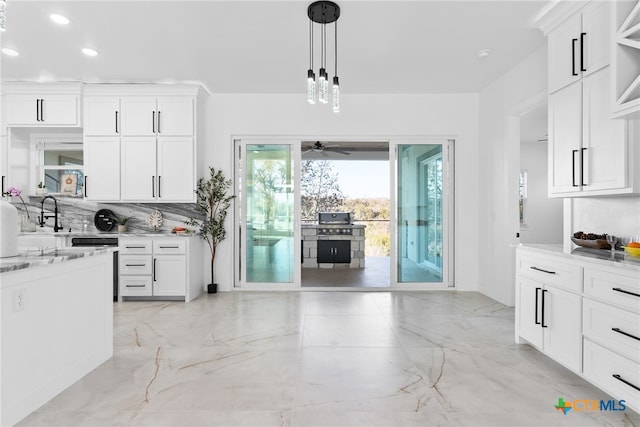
point(262, 46)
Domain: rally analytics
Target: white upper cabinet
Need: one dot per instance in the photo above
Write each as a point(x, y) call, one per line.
point(626, 59)
point(155, 129)
point(101, 116)
point(590, 154)
point(146, 116)
point(579, 46)
point(41, 104)
point(101, 168)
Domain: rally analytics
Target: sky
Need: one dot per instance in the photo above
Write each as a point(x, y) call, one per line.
point(363, 178)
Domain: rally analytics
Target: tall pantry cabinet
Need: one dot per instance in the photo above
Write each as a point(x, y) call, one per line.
point(140, 143)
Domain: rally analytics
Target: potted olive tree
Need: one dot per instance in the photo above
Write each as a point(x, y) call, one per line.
point(212, 203)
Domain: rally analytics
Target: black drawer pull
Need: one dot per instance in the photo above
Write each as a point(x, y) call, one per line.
point(537, 322)
point(626, 292)
point(544, 271)
point(136, 286)
point(135, 265)
point(544, 291)
point(573, 57)
point(625, 333)
point(619, 378)
point(135, 247)
point(169, 247)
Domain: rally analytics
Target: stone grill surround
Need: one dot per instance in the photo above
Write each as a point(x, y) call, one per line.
point(310, 239)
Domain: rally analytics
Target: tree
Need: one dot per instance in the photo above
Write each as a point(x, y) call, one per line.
point(319, 188)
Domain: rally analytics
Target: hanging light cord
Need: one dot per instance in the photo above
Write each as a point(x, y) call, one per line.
point(310, 44)
point(336, 48)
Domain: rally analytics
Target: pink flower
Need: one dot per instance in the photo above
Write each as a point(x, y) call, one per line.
point(14, 192)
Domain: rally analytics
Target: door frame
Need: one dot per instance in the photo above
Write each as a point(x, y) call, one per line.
point(448, 213)
point(393, 141)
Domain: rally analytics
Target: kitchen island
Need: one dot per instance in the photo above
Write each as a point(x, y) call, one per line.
point(56, 314)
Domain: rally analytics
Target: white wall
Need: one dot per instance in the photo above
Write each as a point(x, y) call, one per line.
point(619, 216)
point(543, 215)
point(386, 116)
point(499, 158)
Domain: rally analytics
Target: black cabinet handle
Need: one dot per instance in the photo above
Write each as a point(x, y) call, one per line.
point(544, 291)
point(625, 333)
point(625, 292)
point(159, 177)
point(135, 286)
point(153, 186)
point(536, 319)
point(573, 57)
point(153, 121)
point(573, 168)
point(158, 121)
point(582, 51)
point(2, 188)
point(135, 247)
point(169, 247)
point(135, 265)
point(154, 269)
point(542, 270)
point(37, 110)
point(85, 185)
point(116, 122)
point(42, 110)
point(619, 378)
point(582, 166)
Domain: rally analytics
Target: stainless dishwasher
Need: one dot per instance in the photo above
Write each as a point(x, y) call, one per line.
point(98, 242)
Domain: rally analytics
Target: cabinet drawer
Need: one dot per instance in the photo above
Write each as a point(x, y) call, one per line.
point(135, 247)
point(614, 287)
point(135, 286)
point(616, 329)
point(135, 264)
point(600, 366)
point(550, 271)
point(169, 246)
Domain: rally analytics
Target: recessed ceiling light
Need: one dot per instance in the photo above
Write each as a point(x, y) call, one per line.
point(89, 52)
point(483, 53)
point(10, 52)
point(59, 19)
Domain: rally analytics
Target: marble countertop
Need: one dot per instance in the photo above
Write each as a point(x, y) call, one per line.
point(620, 259)
point(29, 257)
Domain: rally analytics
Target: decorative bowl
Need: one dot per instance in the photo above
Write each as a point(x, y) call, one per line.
point(632, 251)
point(594, 244)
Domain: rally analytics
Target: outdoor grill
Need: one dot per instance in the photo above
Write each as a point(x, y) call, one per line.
point(334, 223)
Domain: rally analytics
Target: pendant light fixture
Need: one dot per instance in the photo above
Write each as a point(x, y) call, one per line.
point(323, 13)
point(3, 15)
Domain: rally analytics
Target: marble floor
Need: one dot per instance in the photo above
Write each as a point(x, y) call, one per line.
point(323, 359)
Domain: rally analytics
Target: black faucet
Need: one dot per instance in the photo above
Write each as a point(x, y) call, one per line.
point(43, 217)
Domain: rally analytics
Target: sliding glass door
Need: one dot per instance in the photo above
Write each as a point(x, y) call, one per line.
point(267, 239)
point(423, 213)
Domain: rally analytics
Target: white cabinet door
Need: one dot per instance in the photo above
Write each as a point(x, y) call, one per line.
point(175, 116)
point(44, 110)
point(169, 275)
point(564, 51)
point(529, 313)
point(176, 178)
point(138, 116)
point(102, 168)
point(562, 324)
point(101, 116)
point(604, 140)
point(138, 168)
point(565, 128)
point(596, 37)
point(4, 163)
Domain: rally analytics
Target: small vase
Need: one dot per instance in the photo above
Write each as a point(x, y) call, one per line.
point(122, 228)
point(39, 191)
point(26, 224)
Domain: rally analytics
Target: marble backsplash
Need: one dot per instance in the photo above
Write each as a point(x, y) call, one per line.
point(73, 212)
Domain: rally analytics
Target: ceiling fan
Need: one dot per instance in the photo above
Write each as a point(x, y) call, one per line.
point(319, 147)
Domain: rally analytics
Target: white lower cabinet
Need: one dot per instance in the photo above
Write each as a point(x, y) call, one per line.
point(161, 267)
point(583, 315)
point(549, 318)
